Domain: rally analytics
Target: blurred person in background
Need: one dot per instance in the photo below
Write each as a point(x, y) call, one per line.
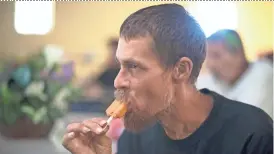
point(106, 79)
point(232, 75)
point(102, 87)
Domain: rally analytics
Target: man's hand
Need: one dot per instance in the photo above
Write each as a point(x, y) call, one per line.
point(87, 137)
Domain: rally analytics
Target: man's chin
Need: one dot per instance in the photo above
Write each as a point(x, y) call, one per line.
point(134, 123)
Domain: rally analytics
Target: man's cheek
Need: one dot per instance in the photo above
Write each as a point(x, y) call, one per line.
point(135, 100)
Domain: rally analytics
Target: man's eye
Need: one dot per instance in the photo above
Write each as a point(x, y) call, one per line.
point(132, 66)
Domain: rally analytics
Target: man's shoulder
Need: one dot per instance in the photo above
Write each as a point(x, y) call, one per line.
point(251, 127)
point(254, 119)
point(246, 117)
point(239, 125)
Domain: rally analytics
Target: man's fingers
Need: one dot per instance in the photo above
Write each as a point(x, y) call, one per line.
point(96, 125)
point(101, 121)
point(68, 137)
point(77, 128)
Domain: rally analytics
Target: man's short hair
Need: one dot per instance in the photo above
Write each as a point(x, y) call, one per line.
point(175, 33)
point(230, 38)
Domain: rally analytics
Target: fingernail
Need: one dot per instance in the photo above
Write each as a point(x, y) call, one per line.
point(71, 134)
point(86, 130)
point(99, 130)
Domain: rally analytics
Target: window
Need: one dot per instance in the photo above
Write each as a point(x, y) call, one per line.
point(34, 17)
point(213, 16)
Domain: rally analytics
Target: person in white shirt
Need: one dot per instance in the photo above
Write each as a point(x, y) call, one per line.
point(230, 74)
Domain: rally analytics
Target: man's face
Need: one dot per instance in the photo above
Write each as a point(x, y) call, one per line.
point(142, 82)
point(221, 62)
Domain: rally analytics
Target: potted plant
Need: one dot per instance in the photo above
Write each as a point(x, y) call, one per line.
point(34, 94)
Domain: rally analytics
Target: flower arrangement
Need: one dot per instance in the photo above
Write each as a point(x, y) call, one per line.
point(39, 90)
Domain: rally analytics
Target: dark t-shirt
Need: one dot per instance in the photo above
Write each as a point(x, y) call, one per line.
point(231, 128)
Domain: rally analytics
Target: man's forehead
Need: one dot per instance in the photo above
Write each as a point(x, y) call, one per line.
point(140, 48)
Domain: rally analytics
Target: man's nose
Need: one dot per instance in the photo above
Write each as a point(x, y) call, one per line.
point(121, 81)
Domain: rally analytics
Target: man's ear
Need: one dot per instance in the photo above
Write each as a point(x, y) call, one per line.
point(182, 70)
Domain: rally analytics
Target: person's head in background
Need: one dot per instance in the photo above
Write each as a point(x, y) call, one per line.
point(226, 58)
point(112, 45)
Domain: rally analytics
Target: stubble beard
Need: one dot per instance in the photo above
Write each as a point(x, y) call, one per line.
point(136, 122)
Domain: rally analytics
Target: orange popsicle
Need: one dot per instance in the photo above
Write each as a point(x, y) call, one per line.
point(117, 109)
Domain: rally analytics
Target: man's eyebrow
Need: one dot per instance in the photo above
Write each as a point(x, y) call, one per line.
point(129, 60)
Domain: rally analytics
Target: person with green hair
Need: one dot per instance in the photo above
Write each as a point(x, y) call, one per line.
point(232, 75)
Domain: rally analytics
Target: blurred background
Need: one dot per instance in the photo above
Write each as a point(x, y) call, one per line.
point(57, 63)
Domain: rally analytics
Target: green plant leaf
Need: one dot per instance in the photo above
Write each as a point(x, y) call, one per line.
point(40, 115)
point(36, 102)
point(47, 120)
point(54, 113)
point(28, 110)
point(5, 94)
point(40, 108)
point(52, 89)
point(37, 63)
point(10, 115)
point(1, 112)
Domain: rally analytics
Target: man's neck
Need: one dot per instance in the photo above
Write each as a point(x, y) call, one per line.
point(186, 116)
